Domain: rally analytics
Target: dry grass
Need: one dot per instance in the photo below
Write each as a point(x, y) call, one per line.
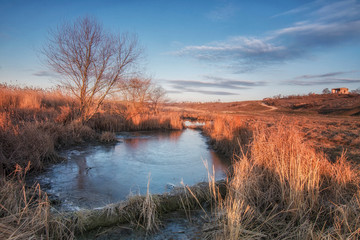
point(228, 134)
point(34, 123)
point(19, 145)
point(333, 136)
point(284, 189)
point(107, 137)
point(36, 142)
point(149, 217)
point(282, 186)
point(139, 122)
point(335, 104)
point(25, 212)
point(13, 97)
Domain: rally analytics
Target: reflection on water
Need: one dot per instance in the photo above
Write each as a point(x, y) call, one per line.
point(81, 162)
point(97, 175)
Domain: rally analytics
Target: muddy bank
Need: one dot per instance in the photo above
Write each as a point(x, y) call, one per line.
point(174, 225)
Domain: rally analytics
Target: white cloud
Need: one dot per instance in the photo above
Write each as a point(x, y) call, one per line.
point(327, 25)
point(224, 12)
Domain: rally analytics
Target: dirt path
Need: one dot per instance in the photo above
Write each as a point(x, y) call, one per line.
point(271, 108)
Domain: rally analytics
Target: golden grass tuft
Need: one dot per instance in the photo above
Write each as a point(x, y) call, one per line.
point(283, 188)
point(14, 97)
point(25, 211)
point(229, 135)
point(149, 217)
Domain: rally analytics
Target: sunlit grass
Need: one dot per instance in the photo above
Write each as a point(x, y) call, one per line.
point(34, 123)
point(25, 211)
point(283, 188)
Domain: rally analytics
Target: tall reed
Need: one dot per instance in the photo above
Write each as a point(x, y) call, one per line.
point(284, 189)
point(228, 134)
point(25, 211)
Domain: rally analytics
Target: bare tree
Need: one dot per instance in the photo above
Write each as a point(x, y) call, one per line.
point(326, 91)
point(91, 61)
point(356, 91)
point(156, 96)
point(141, 95)
point(135, 93)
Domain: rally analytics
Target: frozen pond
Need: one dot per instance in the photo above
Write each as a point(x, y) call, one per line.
point(97, 175)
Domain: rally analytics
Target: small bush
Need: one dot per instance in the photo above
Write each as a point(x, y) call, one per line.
point(107, 137)
point(26, 144)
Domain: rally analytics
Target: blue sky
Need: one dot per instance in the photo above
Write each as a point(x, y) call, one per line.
point(203, 50)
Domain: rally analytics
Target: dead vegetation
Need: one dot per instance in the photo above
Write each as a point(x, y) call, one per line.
point(292, 177)
point(229, 135)
point(282, 188)
point(143, 212)
point(25, 211)
point(331, 104)
point(35, 123)
point(298, 105)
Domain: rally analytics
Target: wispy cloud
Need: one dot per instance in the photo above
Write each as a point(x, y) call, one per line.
point(325, 75)
point(322, 79)
point(218, 83)
point(210, 85)
point(174, 91)
point(215, 93)
point(339, 10)
point(245, 47)
point(306, 35)
point(329, 24)
point(223, 12)
point(242, 54)
point(184, 89)
point(301, 9)
point(232, 83)
point(201, 84)
point(45, 74)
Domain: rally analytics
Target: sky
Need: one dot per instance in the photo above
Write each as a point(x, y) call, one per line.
point(203, 51)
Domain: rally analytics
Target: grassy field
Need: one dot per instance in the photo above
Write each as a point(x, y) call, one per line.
point(295, 166)
point(282, 187)
point(330, 122)
point(295, 171)
point(34, 125)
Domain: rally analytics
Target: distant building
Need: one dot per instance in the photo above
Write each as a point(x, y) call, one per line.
point(340, 90)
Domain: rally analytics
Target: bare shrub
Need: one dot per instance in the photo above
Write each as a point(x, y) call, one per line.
point(107, 137)
point(67, 114)
point(141, 95)
point(27, 144)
